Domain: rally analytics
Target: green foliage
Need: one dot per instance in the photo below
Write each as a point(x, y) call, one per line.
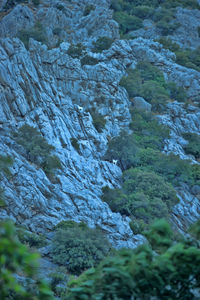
point(58, 282)
point(140, 274)
point(30, 239)
point(88, 9)
point(16, 259)
point(127, 22)
point(102, 43)
point(147, 191)
point(37, 149)
point(193, 146)
point(130, 14)
point(36, 2)
point(194, 230)
point(78, 247)
point(148, 81)
point(98, 120)
point(5, 163)
point(176, 92)
point(37, 33)
point(143, 11)
point(57, 30)
point(160, 236)
point(123, 148)
point(75, 144)
point(188, 58)
point(144, 195)
point(89, 60)
point(76, 50)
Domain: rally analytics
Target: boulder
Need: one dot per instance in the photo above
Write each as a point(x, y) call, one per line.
point(141, 104)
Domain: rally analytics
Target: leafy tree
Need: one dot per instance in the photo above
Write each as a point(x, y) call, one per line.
point(78, 247)
point(171, 273)
point(15, 259)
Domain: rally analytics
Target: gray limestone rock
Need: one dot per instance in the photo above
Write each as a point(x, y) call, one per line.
point(140, 104)
point(21, 17)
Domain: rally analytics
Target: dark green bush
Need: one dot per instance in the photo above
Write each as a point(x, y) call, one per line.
point(89, 60)
point(193, 146)
point(30, 239)
point(88, 9)
point(98, 120)
point(176, 93)
point(36, 2)
point(144, 12)
point(37, 150)
point(37, 33)
point(144, 196)
point(57, 30)
point(102, 43)
point(76, 51)
point(122, 148)
point(5, 163)
point(147, 81)
point(75, 144)
point(78, 247)
point(127, 22)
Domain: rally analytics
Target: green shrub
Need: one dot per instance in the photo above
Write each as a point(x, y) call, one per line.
point(37, 150)
point(193, 146)
point(57, 30)
point(76, 51)
point(155, 94)
point(5, 163)
point(36, 2)
point(88, 9)
point(58, 282)
point(173, 273)
point(75, 144)
point(147, 81)
point(144, 196)
point(122, 148)
point(102, 43)
point(143, 12)
point(198, 30)
point(127, 22)
point(89, 60)
point(30, 239)
point(78, 247)
point(169, 44)
point(98, 120)
point(176, 93)
point(37, 33)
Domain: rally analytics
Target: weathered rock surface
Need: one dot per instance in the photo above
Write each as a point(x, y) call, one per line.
point(44, 87)
point(140, 104)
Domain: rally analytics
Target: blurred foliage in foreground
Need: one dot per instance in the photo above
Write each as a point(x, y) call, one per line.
point(164, 269)
point(18, 269)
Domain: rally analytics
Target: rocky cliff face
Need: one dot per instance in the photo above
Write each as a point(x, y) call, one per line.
point(54, 92)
